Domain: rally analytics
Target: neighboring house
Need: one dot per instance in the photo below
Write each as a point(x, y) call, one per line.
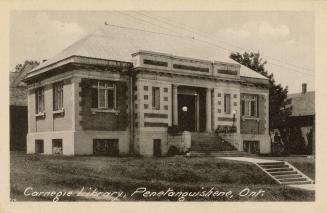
point(302, 119)
point(18, 107)
point(117, 91)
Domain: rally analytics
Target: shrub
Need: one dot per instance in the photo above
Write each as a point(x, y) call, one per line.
point(172, 151)
point(173, 130)
point(225, 129)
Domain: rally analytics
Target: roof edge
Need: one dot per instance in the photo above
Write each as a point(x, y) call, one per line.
point(77, 59)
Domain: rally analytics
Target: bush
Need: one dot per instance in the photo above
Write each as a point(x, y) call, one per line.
point(173, 130)
point(172, 151)
point(225, 129)
point(297, 143)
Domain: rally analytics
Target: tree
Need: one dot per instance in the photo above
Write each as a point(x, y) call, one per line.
point(278, 117)
point(19, 67)
point(21, 71)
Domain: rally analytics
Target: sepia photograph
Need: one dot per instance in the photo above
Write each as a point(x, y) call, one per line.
point(162, 105)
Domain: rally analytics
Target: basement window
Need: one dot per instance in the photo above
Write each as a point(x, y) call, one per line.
point(57, 146)
point(109, 147)
point(39, 146)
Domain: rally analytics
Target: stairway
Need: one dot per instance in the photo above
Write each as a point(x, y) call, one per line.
point(235, 153)
point(210, 145)
point(284, 173)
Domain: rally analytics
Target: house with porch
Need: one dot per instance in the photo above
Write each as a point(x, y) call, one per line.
point(119, 91)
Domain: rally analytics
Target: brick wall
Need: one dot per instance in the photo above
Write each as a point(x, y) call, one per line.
point(250, 126)
point(105, 121)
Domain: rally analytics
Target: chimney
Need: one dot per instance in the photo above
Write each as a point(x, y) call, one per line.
point(304, 88)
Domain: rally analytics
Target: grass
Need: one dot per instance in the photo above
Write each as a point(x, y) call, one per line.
point(108, 174)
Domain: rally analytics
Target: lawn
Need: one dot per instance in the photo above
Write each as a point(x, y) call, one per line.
point(143, 179)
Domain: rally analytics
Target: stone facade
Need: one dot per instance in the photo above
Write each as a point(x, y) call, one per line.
point(133, 104)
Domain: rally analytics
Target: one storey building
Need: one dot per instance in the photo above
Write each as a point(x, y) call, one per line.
point(119, 90)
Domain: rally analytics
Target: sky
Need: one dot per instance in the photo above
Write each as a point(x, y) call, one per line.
point(285, 39)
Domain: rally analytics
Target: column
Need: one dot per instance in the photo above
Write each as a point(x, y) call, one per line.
point(175, 105)
point(208, 110)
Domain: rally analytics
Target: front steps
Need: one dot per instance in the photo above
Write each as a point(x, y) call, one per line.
point(284, 173)
point(210, 145)
point(194, 153)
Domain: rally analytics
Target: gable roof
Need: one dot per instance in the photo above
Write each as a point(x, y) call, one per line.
point(119, 43)
point(247, 72)
point(302, 103)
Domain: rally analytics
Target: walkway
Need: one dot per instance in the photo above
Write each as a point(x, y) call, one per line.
point(250, 160)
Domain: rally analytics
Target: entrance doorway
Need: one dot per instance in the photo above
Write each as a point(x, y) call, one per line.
point(187, 111)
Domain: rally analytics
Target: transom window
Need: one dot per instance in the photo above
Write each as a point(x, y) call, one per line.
point(249, 105)
point(156, 98)
point(39, 100)
point(104, 95)
point(58, 96)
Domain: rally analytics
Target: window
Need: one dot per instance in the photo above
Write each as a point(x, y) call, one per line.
point(104, 95)
point(56, 146)
point(249, 105)
point(39, 146)
point(251, 147)
point(58, 96)
point(108, 147)
point(227, 103)
point(156, 98)
point(39, 100)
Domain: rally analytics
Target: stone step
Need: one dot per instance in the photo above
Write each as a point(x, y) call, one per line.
point(287, 176)
point(212, 149)
point(208, 142)
point(297, 182)
point(224, 152)
point(216, 154)
point(279, 170)
point(293, 179)
point(283, 173)
point(271, 163)
point(275, 166)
